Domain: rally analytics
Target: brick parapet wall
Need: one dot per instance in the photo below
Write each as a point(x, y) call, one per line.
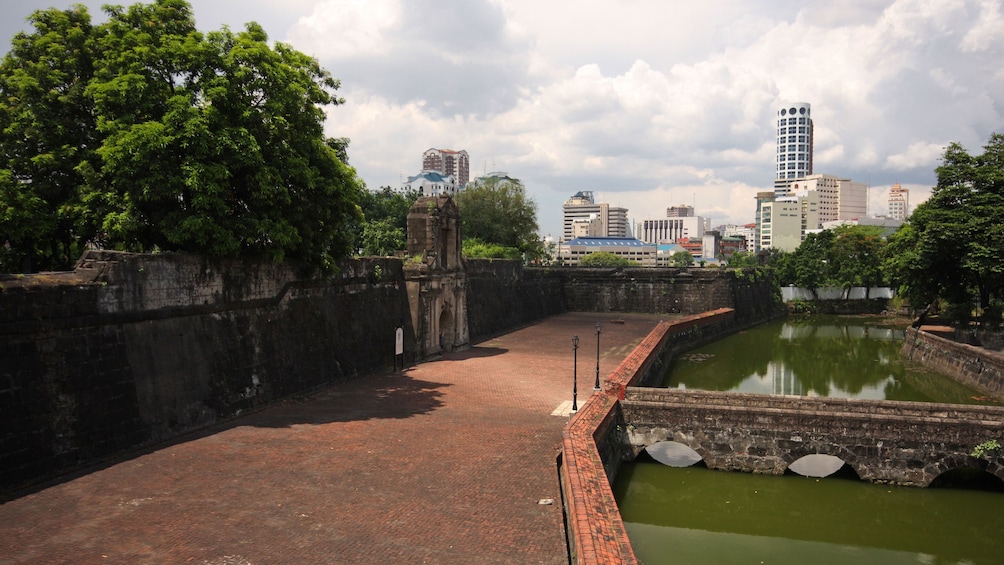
point(976, 367)
point(593, 443)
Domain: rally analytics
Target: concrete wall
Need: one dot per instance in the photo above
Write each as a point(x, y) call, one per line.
point(132, 349)
point(972, 366)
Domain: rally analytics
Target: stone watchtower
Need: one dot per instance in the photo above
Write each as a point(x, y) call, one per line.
point(434, 276)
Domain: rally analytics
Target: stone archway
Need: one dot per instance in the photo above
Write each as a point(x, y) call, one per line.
point(447, 334)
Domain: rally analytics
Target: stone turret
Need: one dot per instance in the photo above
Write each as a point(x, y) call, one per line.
point(435, 276)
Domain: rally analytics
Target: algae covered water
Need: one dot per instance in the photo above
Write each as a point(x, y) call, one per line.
point(696, 515)
point(830, 356)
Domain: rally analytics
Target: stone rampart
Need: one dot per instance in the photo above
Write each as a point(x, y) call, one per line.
point(749, 292)
point(502, 295)
point(976, 367)
point(134, 349)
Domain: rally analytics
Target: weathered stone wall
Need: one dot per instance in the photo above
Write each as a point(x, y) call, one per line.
point(975, 367)
point(502, 295)
point(132, 349)
point(749, 292)
point(906, 443)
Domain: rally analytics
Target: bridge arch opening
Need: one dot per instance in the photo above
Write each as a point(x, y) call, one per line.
point(673, 454)
point(819, 465)
point(969, 478)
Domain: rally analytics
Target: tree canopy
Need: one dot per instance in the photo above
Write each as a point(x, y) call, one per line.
point(384, 227)
point(951, 249)
point(143, 133)
point(606, 259)
point(497, 210)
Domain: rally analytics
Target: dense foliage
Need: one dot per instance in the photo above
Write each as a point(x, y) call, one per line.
point(681, 259)
point(497, 210)
point(384, 228)
point(844, 257)
point(145, 134)
point(606, 259)
point(951, 251)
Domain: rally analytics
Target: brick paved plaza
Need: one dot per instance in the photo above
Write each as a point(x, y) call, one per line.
point(444, 462)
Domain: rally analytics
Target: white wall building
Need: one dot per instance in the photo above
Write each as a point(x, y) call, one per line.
point(572, 251)
point(784, 222)
point(899, 202)
point(839, 199)
point(431, 183)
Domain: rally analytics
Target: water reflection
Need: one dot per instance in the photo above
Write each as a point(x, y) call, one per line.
point(830, 356)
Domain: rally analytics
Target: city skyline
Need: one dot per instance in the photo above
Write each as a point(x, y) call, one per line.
point(647, 104)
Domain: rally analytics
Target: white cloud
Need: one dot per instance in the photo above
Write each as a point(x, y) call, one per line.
point(645, 102)
point(343, 29)
point(918, 154)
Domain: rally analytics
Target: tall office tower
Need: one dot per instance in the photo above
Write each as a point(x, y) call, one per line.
point(681, 211)
point(448, 162)
point(899, 202)
point(794, 143)
point(613, 220)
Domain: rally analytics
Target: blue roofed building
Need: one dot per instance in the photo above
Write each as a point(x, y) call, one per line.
point(431, 183)
point(572, 251)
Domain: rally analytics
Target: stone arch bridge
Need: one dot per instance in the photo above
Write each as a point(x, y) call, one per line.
point(905, 443)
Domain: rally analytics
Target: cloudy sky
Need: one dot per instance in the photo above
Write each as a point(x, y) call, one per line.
point(648, 103)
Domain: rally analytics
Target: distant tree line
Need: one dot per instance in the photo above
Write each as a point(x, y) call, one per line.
point(947, 257)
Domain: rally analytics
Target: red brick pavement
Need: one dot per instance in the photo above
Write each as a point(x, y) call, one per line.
point(442, 463)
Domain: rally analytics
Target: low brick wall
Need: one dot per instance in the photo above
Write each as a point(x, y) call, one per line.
point(593, 444)
point(972, 366)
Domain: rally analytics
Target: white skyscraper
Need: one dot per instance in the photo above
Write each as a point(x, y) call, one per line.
point(794, 142)
point(899, 202)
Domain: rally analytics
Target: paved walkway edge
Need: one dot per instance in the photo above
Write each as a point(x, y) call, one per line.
point(596, 532)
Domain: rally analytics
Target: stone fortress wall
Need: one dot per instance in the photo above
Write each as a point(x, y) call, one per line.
point(129, 350)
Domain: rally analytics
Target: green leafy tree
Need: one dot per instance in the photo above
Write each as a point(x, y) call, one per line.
point(856, 256)
point(497, 210)
point(681, 259)
point(952, 248)
point(606, 259)
point(741, 259)
point(477, 249)
point(811, 262)
point(384, 225)
point(203, 143)
point(47, 129)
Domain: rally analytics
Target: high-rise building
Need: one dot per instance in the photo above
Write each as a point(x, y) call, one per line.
point(899, 202)
point(448, 162)
point(782, 223)
point(794, 142)
point(839, 199)
point(582, 207)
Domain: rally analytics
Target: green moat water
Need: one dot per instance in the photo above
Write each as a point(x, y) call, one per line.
point(695, 515)
point(832, 356)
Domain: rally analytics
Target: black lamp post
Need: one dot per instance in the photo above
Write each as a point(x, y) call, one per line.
point(575, 373)
point(596, 387)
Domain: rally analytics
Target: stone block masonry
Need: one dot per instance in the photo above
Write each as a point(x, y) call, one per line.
point(133, 349)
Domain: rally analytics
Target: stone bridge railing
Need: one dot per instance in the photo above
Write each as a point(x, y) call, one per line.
point(906, 443)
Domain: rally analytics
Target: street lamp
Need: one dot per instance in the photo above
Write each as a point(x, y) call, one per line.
point(596, 387)
point(575, 373)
